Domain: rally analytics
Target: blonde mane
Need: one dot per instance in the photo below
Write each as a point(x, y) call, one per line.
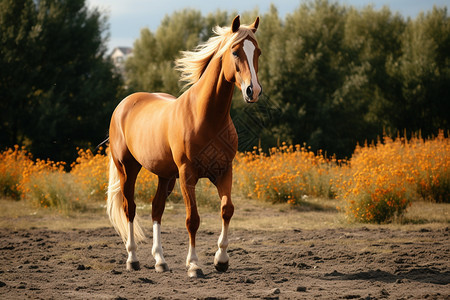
point(192, 64)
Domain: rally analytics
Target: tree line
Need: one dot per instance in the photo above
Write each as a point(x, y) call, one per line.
point(332, 75)
point(57, 90)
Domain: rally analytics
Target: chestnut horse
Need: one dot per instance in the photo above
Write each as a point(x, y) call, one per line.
point(190, 137)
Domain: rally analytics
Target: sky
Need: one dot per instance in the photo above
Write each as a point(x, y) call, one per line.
point(126, 18)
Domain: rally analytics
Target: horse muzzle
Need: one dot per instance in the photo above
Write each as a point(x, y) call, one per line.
point(251, 93)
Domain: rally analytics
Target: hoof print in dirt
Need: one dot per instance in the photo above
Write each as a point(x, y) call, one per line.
point(133, 266)
point(145, 280)
point(301, 289)
point(221, 267)
point(82, 268)
point(248, 280)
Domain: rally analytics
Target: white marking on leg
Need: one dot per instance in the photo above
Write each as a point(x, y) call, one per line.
point(221, 254)
point(157, 250)
point(131, 244)
point(192, 258)
point(194, 270)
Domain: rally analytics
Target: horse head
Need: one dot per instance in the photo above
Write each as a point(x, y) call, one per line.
point(240, 60)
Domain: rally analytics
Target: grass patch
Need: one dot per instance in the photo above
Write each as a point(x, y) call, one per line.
point(425, 212)
point(249, 214)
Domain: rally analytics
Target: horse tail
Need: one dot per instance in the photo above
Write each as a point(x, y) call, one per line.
point(115, 208)
point(106, 140)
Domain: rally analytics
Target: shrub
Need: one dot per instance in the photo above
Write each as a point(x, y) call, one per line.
point(13, 162)
point(375, 194)
point(376, 185)
point(46, 184)
point(54, 189)
point(90, 172)
point(385, 178)
point(431, 167)
point(287, 174)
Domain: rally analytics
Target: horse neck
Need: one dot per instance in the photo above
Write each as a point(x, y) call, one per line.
point(213, 94)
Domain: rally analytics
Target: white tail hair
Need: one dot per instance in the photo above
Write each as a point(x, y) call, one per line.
point(115, 209)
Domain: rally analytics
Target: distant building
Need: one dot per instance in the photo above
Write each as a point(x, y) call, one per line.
point(119, 56)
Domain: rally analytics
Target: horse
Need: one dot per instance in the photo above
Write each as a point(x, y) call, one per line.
point(188, 138)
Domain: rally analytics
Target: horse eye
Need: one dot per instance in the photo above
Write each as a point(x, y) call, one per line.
point(235, 54)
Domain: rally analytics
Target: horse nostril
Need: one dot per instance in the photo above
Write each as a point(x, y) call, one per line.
point(249, 92)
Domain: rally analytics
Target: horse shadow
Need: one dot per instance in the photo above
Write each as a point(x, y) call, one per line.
point(421, 274)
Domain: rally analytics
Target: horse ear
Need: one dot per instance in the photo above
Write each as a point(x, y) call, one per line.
point(255, 25)
point(236, 24)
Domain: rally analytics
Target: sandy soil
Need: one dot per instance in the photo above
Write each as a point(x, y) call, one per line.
point(296, 263)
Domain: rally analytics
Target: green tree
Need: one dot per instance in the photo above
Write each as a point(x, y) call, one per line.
point(310, 69)
point(422, 74)
point(372, 38)
point(54, 76)
point(18, 68)
point(332, 75)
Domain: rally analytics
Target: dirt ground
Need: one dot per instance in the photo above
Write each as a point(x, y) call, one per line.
point(332, 262)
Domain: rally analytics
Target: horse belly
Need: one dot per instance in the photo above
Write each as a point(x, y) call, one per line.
point(149, 143)
point(160, 164)
point(154, 155)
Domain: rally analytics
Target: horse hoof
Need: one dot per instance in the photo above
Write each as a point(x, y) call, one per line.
point(195, 272)
point(164, 267)
point(133, 266)
point(221, 267)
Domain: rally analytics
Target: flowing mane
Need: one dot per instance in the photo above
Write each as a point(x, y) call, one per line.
point(192, 64)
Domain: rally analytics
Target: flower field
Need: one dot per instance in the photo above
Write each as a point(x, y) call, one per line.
point(383, 179)
point(376, 185)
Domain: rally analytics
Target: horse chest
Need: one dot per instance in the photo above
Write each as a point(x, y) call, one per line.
point(213, 157)
point(213, 160)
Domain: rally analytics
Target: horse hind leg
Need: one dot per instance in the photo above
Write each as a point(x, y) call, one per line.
point(165, 187)
point(134, 231)
point(131, 246)
point(122, 208)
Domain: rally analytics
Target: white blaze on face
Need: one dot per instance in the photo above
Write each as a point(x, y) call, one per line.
point(249, 49)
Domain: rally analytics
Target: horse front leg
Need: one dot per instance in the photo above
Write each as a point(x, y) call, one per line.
point(188, 180)
point(165, 187)
point(223, 184)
